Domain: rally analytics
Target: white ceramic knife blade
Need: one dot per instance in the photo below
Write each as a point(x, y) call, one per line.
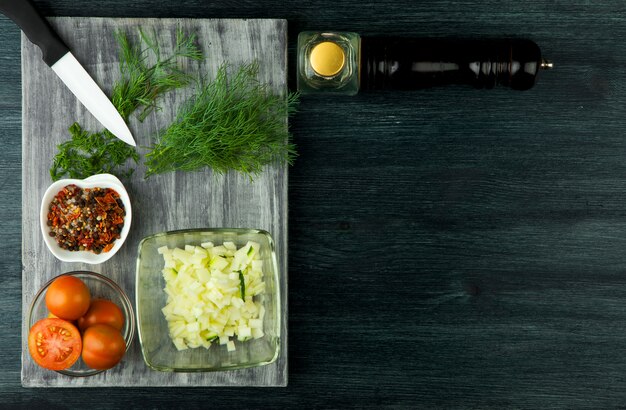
point(93, 98)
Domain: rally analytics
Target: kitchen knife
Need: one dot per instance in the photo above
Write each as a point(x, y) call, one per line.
point(58, 56)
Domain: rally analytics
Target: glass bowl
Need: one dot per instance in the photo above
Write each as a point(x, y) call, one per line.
point(158, 350)
point(100, 287)
point(99, 180)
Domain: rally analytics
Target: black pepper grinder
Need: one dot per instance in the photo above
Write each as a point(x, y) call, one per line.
point(345, 63)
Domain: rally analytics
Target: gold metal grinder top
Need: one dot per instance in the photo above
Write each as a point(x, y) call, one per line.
point(327, 59)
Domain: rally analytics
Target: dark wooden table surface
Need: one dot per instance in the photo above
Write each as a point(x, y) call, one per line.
point(447, 248)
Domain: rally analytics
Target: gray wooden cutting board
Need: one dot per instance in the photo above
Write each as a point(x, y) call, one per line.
point(160, 203)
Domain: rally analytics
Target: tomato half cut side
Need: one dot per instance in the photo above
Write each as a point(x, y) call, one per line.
point(54, 344)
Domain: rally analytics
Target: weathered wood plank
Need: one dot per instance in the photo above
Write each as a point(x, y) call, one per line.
point(163, 202)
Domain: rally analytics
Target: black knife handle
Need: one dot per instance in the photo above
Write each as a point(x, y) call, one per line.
point(36, 28)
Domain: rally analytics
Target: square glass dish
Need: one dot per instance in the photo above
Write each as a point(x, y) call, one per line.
point(158, 349)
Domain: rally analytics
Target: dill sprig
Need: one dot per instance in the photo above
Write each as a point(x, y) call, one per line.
point(144, 83)
point(90, 153)
point(232, 122)
point(141, 85)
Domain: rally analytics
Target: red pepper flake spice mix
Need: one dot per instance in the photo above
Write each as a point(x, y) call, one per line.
point(86, 219)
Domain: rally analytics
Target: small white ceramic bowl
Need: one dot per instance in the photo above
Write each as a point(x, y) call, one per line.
point(102, 181)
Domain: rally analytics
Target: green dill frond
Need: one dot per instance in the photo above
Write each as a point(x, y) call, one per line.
point(90, 153)
point(142, 84)
point(232, 122)
point(186, 46)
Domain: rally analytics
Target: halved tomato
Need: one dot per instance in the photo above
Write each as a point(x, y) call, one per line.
point(54, 344)
point(102, 311)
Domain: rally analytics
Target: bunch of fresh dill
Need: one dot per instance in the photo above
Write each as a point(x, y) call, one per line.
point(141, 84)
point(232, 122)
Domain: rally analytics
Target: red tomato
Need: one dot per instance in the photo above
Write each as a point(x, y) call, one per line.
point(54, 344)
point(103, 346)
point(68, 297)
point(104, 312)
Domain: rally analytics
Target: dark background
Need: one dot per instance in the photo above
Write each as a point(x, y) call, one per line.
point(448, 248)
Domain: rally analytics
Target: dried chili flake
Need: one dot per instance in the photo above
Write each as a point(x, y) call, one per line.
point(86, 219)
